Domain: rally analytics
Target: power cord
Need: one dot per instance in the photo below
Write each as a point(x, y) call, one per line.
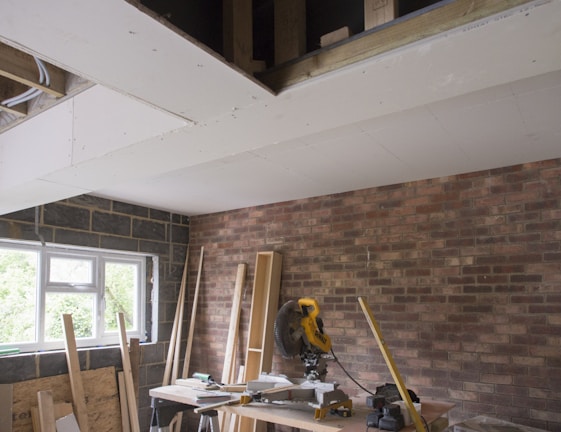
point(425, 424)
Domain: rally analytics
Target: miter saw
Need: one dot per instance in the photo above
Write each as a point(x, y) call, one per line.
point(299, 332)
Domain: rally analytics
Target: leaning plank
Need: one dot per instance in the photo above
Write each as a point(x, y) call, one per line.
point(187, 358)
point(46, 411)
point(134, 350)
point(191, 335)
point(176, 325)
point(231, 343)
point(229, 353)
point(78, 396)
point(125, 421)
point(129, 385)
point(6, 391)
point(61, 409)
point(100, 388)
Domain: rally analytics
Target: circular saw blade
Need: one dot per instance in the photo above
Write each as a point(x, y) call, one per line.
point(288, 329)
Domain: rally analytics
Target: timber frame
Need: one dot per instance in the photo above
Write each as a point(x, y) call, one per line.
point(383, 32)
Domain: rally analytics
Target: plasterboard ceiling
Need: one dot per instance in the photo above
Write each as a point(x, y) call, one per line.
point(195, 135)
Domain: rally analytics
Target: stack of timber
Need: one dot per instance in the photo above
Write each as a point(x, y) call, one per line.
point(79, 401)
point(100, 391)
point(171, 371)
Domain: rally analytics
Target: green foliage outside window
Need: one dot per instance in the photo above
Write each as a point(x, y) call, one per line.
point(18, 291)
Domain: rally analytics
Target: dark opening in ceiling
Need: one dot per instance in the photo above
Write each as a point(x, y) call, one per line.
point(203, 20)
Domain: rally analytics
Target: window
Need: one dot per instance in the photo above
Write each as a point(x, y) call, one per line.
point(40, 283)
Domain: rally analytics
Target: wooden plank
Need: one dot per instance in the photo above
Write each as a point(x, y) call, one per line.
point(231, 343)
point(78, 396)
point(134, 352)
point(61, 409)
point(129, 385)
point(377, 41)
point(391, 365)
point(9, 89)
point(176, 324)
point(21, 67)
point(46, 411)
point(335, 36)
point(229, 353)
point(378, 12)
point(190, 337)
point(100, 388)
point(6, 392)
point(290, 29)
point(125, 420)
point(238, 35)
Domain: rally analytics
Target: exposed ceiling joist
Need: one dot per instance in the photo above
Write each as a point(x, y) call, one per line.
point(395, 34)
point(21, 67)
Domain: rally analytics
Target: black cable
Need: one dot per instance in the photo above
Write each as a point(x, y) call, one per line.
point(348, 374)
point(425, 424)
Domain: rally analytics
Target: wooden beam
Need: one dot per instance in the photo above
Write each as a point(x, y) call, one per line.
point(378, 12)
point(78, 395)
point(176, 323)
point(290, 29)
point(191, 335)
point(9, 89)
point(238, 35)
point(127, 372)
point(47, 421)
point(419, 426)
point(21, 67)
point(386, 38)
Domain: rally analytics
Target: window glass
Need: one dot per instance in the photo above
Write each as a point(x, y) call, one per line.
point(38, 284)
point(18, 295)
point(71, 270)
point(80, 306)
point(121, 284)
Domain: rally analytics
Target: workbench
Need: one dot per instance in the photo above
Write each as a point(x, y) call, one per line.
point(298, 418)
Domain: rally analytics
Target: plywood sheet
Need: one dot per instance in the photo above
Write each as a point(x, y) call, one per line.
point(100, 388)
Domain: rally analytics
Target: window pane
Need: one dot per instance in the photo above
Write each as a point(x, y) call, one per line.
point(18, 295)
point(71, 270)
point(82, 308)
point(121, 280)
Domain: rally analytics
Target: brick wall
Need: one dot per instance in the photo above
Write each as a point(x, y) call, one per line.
point(463, 274)
point(100, 223)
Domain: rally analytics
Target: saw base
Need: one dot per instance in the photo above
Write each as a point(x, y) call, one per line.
point(280, 390)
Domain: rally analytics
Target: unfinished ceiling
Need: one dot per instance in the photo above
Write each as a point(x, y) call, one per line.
point(458, 87)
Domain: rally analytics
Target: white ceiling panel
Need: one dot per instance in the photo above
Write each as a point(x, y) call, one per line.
point(43, 146)
point(481, 96)
point(105, 121)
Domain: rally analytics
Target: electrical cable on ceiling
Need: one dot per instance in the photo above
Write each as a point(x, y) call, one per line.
point(31, 93)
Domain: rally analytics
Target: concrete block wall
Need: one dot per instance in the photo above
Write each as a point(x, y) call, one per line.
point(100, 223)
point(463, 274)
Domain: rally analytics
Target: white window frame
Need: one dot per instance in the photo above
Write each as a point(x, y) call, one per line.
point(99, 258)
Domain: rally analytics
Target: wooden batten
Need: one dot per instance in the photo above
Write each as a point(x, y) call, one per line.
point(378, 12)
point(290, 29)
point(78, 395)
point(238, 35)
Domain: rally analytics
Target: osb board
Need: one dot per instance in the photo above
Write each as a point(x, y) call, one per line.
point(100, 388)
